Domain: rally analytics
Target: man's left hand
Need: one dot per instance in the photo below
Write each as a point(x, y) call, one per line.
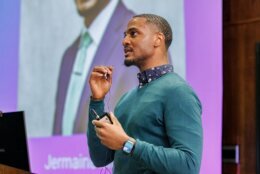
point(113, 135)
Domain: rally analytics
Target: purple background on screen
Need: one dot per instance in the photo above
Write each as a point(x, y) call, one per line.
point(203, 25)
point(204, 72)
point(64, 153)
point(9, 50)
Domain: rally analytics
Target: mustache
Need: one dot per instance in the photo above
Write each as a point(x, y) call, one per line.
point(127, 48)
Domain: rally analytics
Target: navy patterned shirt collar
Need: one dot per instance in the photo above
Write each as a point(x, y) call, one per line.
point(154, 73)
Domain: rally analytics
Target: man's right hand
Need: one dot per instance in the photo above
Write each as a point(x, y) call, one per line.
point(100, 81)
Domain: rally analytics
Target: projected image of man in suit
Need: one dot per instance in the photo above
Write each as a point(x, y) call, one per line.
point(103, 20)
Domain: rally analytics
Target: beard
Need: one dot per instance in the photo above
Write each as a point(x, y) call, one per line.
point(129, 62)
point(136, 62)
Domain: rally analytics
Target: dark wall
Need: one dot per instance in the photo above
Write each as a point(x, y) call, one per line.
point(241, 32)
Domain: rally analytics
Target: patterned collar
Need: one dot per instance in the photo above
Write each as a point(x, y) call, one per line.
point(154, 73)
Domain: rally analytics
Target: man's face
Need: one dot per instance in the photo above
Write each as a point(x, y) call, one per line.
point(138, 41)
point(84, 6)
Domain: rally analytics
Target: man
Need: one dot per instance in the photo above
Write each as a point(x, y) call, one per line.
point(103, 20)
point(157, 125)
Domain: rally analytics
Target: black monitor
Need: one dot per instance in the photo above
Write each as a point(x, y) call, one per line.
point(13, 141)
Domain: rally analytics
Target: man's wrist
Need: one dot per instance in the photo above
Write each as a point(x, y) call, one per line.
point(129, 146)
point(96, 98)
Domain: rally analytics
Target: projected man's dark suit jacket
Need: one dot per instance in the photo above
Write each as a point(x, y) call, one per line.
point(109, 52)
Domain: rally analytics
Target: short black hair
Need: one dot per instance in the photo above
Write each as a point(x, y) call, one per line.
point(161, 23)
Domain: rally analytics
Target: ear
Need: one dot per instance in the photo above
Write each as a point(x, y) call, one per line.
point(159, 39)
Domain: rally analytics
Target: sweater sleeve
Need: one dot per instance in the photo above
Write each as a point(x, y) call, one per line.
point(99, 154)
point(182, 117)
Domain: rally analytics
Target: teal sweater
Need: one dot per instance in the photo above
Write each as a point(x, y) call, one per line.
point(164, 117)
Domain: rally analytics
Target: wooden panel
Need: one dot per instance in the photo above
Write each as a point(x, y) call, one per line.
point(257, 107)
point(241, 30)
point(11, 170)
point(241, 10)
point(239, 92)
point(230, 169)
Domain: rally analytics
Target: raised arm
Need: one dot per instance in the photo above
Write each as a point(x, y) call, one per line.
point(100, 83)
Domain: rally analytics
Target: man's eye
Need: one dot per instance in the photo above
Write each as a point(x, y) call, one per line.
point(133, 33)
